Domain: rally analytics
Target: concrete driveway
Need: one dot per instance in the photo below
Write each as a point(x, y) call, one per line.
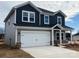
point(51, 52)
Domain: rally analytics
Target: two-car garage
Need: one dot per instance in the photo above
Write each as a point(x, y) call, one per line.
point(35, 38)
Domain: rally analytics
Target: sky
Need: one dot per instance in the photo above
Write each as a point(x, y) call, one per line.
point(70, 8)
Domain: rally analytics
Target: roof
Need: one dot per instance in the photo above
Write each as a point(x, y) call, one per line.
point(63, 27)
point(59, 11)
point(41, 10)
point(76, 34)
point(10, 13)
point(68, 27)
point(44, 10)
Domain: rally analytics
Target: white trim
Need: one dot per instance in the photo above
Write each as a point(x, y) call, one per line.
point(34, 17)
point(44, 19)
point(66, 29)
point(58, 26)
point(22, 16)
point(56, 29)
point(60, 38)
point(60, 12)
point(28, 16)
point(53, 37)
point(60, 35)
point(15, 16)
point(33, 28)
point(15, 36)
point(20, 5)
point(59, 17)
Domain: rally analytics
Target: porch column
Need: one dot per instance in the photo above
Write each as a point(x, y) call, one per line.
point(52, 37)
point(71, 35)
point(16, 35)
point(60, 38)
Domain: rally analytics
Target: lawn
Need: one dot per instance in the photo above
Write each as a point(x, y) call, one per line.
point(13, 53)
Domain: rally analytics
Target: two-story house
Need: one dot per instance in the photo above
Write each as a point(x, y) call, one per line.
point(33, 26)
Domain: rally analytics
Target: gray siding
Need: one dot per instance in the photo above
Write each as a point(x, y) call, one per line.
point(75, 38)
point(10, 30)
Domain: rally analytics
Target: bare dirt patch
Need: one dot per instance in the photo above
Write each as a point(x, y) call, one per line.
point(74, 46)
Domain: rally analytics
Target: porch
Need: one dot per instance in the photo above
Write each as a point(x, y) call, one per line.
point(61, 35)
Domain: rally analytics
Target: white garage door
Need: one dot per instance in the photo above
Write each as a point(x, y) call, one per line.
point(35, 38)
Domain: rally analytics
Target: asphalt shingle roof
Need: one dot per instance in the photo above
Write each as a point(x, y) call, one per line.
point(76, 34)
point(44, 10)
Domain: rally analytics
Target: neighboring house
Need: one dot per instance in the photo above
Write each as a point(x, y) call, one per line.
point(33, 26)
point(76, 37)
point(2, 33)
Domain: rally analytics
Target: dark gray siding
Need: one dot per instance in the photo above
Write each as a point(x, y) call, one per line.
point(19, 16)
point(52, 18)
point(52, 21)
point(42, 22)
point(63, 18)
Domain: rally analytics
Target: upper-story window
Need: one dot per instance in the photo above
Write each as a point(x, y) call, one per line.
point(25, 16)
point(46, 19)
point(32, 17)
point(28, 16)
point(59, 20)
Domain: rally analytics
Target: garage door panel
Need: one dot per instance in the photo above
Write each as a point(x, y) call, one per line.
point(35, 38)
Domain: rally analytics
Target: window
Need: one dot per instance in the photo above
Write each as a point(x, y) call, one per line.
point(28, 16)
point(59, 20)
point(46, 19)
point(25, 16)
point(32, 17)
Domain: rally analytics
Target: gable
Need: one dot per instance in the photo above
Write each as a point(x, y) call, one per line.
point(57, 27)
point(60, 12)
point(27, 7)
point(26, 3)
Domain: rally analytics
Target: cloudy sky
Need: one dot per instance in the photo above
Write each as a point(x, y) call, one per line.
point(70, 8)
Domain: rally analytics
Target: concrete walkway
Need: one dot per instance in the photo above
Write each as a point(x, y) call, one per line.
point(51, 52)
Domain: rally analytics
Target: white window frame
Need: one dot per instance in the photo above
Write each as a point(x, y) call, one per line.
point(44, 19)
point(28, 16)
point(60, 19)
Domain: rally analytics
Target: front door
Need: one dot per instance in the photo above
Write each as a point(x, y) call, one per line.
point(57, 38)
point(62, 36)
